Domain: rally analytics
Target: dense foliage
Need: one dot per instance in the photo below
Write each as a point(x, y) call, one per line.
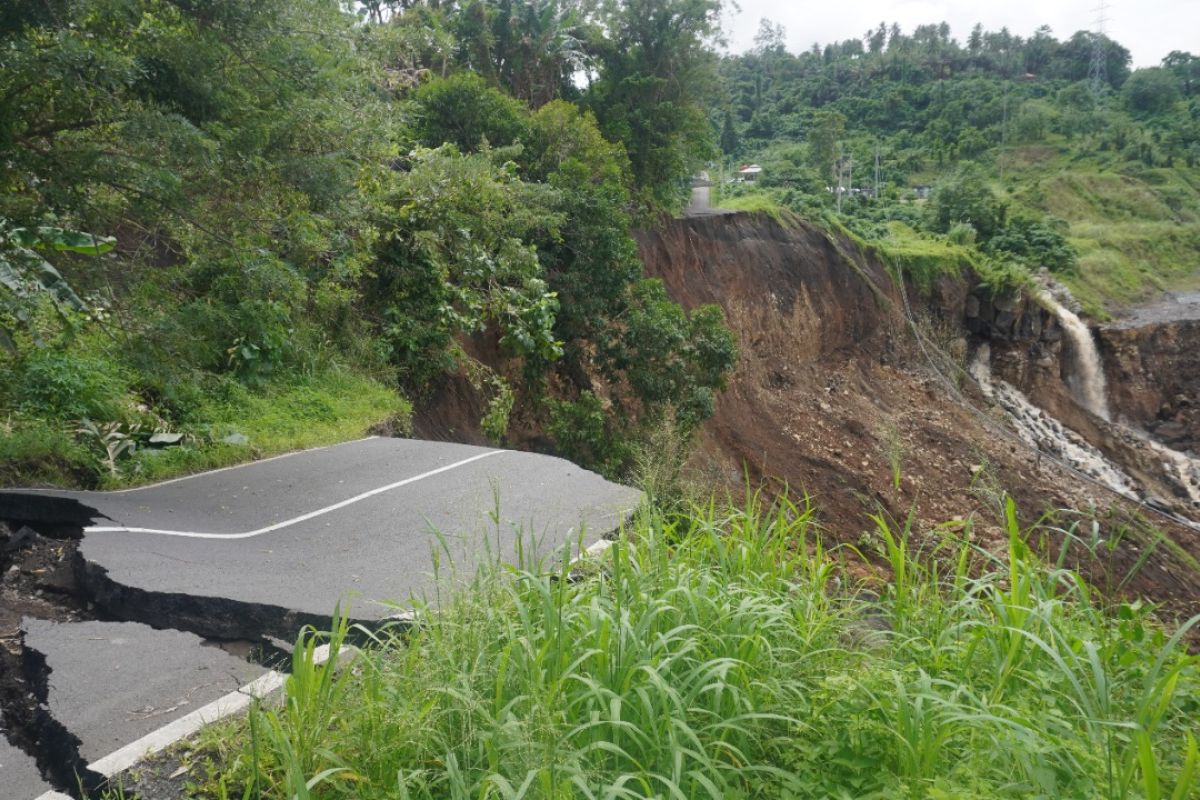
point(989, 128)
point(203, 199)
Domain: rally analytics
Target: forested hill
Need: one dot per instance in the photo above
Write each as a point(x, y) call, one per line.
point(233, 227)
point(1035, 158)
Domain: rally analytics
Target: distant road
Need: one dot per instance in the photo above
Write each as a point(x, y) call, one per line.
point(701, 205)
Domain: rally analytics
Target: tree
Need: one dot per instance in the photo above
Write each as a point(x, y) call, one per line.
point(465, 111)
point(1185, 67)
point(966, 197)
point(826, 129)
point(729, 136)
point(657, 71)
point(770, 38)
point(1151, 91)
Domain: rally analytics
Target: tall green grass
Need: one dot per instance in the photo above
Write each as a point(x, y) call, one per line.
point(725, 653)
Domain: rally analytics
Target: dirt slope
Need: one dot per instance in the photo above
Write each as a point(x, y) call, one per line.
point(832, 397)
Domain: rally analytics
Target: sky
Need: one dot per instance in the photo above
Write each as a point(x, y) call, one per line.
point(1149, 28)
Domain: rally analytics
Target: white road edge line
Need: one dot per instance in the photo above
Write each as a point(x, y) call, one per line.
point(238, 701)
point(294, 520)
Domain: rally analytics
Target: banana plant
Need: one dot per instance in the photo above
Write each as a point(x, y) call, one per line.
point(25, 272)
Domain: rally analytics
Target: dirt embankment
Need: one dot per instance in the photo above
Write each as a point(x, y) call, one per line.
point(833, 397)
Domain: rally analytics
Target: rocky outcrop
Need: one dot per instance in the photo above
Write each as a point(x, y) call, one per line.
point(1154, 378)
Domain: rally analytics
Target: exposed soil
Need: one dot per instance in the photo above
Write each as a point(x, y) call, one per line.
point(40, 578)
point(832, 396)
point(37, 581)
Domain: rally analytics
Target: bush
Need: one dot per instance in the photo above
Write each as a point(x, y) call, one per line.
point(962, 233)
point(966, 197)
point(1035, 243)
point(586, 434)
point(63, 385)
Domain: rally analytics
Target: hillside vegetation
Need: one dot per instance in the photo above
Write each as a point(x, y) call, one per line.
point(1030, 162)
point(235, 227)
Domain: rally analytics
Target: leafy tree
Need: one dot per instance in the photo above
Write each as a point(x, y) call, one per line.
point(729, 135)
point(825, 131)
point(591, 261)
point(1151, 91)
point(966, 197)
point(455, 260)
point(656, 72)
point(465, 111)
point(1036, 243)
point(672, 358)
point(1186, 68)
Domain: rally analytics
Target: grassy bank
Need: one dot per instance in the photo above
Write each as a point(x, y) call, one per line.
point(726, 655)
point(224, 423)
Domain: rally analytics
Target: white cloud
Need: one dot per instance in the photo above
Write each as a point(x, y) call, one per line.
point(1149, 28)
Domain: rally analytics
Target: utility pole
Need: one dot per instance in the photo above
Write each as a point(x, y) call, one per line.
point(1004, 130)
point(837, 170)
point(1098, 72)
point(876, 170)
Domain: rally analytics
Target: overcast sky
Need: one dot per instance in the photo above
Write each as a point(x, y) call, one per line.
point(1149, 28)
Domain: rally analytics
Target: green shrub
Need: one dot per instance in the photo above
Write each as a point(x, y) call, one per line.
point(35, 453)
point(465, 111)
point(587, 434)
point(65, 385)
point(962, 233)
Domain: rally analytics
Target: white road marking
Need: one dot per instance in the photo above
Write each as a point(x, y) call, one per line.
point(295, 520)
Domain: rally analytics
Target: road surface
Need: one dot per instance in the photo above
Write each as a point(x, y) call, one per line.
point(256, 551)
point(701, 203)
point(357, 524)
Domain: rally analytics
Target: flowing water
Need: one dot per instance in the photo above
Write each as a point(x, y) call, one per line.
point(1086, 375)
point(1044, 432)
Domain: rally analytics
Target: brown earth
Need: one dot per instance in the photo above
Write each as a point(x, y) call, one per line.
point(1154, 377)
point(831, 393)
point(832, 398)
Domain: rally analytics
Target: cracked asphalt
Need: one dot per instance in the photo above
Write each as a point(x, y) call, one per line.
point(255, 551)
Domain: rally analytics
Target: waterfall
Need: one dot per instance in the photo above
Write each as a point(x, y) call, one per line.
point(1045, 433)
point(1086, 377)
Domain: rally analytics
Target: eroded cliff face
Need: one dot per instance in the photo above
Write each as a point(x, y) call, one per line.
point(1153, 374)
point(1154, 378)
point(833, 398)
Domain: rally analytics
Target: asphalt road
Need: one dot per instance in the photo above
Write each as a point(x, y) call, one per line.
point(254, 551)
point(112, 683)
point(357, 524)
point(19, 775)
point(701, 202)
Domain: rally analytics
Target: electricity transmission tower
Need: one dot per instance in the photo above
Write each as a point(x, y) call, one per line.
point(1098, 72)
